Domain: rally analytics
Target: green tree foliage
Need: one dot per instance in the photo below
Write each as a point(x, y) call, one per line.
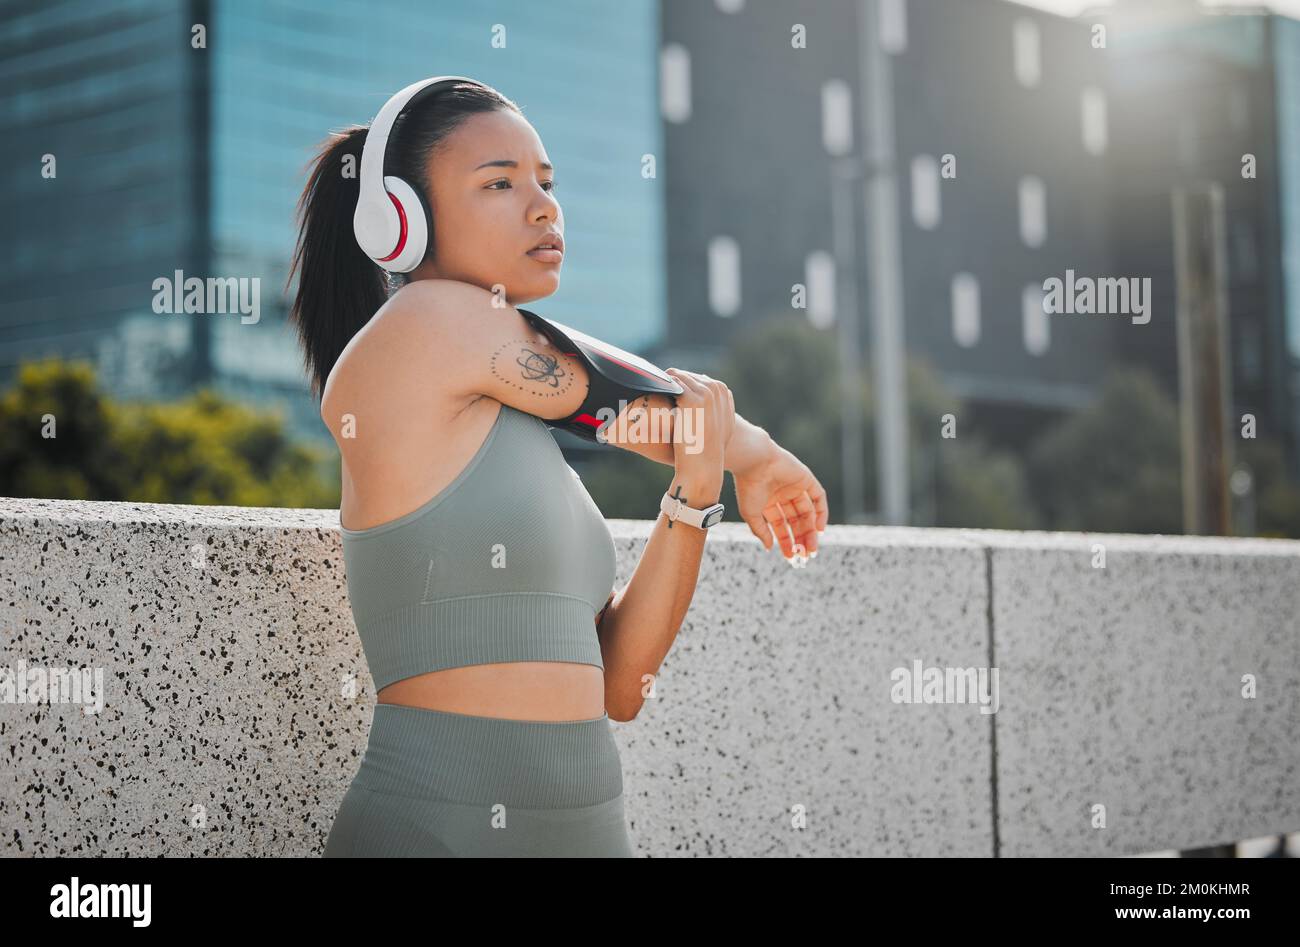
point(626, 486)
point(202, 450)
point(785, 377)
point(1276, 496)
point(1114, 466)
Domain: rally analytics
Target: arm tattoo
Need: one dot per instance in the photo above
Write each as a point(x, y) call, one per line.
point(644, 402)
point(677, 495)
point(530, 367)
point(539, 366)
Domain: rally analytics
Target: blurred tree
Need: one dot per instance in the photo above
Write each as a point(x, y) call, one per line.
point(956, 480)
point(784, 375)
point(202, 450)
point(625, 486)
point(780, 380)
point(1277, 496)
point(1114, 466)
point(979, 488)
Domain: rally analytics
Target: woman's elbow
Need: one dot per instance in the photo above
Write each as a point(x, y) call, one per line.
point(623, 712)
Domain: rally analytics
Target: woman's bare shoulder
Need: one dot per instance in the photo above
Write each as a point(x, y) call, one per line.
point(394, 355)
point(477, 344)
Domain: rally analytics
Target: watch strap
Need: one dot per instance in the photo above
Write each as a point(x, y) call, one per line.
point(678, 511)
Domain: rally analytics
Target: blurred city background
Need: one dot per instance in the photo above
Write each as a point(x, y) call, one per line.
point(848, 211)
point(845, 210)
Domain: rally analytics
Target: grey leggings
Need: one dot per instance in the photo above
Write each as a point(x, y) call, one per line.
point(439, 784)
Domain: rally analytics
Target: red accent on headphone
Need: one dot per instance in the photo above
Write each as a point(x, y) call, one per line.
point(401, 241)
point(588, 419)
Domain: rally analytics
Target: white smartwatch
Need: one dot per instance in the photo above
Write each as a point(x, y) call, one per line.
point(679, 512)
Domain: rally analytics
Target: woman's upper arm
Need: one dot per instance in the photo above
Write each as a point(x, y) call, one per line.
point(475, 346)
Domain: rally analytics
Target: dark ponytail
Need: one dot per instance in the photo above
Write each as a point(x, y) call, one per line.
point(339, 287)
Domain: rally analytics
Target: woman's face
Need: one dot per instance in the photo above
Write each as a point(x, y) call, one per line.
point(492, 203)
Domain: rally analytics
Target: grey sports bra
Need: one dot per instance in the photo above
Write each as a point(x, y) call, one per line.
point(511, 561)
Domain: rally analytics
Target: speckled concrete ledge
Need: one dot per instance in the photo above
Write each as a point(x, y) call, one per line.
point(1123, 690)
point(236, 699)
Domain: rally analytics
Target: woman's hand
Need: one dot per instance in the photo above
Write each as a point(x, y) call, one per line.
point(705, 415)
point(782, 496)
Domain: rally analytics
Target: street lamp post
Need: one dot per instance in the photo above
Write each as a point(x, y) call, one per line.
point(889, 354)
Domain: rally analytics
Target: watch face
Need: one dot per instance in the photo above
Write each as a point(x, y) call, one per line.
point(713, 517)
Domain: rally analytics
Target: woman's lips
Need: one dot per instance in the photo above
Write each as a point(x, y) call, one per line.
point(547, 256)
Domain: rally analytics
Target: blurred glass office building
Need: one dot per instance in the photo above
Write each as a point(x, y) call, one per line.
point(145, 137)
point(999, 183)
point(1024, 146)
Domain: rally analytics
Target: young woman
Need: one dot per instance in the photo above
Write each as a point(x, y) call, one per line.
point(479, 570)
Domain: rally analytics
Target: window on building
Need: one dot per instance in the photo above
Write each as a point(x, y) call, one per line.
point(675, 82)
point(965, 309)
point(925, 192)
point(819, 277)
point(1034, 320)
point(1094, 120)
point(1033, 211)
point(893, 25)
point(837, 117)
point(1026, 52)
point(724, 276)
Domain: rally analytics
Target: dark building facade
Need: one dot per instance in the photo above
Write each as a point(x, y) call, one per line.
point(1027, 146)
point(1212, 99)
point(997, 183)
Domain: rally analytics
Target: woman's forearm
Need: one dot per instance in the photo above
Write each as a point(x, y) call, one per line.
point(748, 445)
point(641, 622)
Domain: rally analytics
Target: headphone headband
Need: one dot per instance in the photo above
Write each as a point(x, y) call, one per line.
point(391, 222)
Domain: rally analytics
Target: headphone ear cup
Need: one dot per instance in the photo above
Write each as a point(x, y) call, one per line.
point(428, 222)
point(418, 220)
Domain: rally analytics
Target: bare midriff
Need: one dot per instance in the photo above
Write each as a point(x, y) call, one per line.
point(517, 690)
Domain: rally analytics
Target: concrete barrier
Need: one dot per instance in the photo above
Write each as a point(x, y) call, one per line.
point(795, 714)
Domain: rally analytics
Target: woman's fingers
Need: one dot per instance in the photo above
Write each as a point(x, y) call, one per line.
point(762, 532)
point(790, 518)
point(800, 523)
point(776, 521)
point(711, 393)
point(804, 521)
point(818, 496)
point(688, 381)
point(792, 513)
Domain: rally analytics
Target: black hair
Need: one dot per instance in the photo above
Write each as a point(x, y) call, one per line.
point(339, 287)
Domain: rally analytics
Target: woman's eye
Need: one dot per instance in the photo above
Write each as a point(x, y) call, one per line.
point(506, 182)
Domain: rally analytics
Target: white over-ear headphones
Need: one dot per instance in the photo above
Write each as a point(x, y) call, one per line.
point(393, 221)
